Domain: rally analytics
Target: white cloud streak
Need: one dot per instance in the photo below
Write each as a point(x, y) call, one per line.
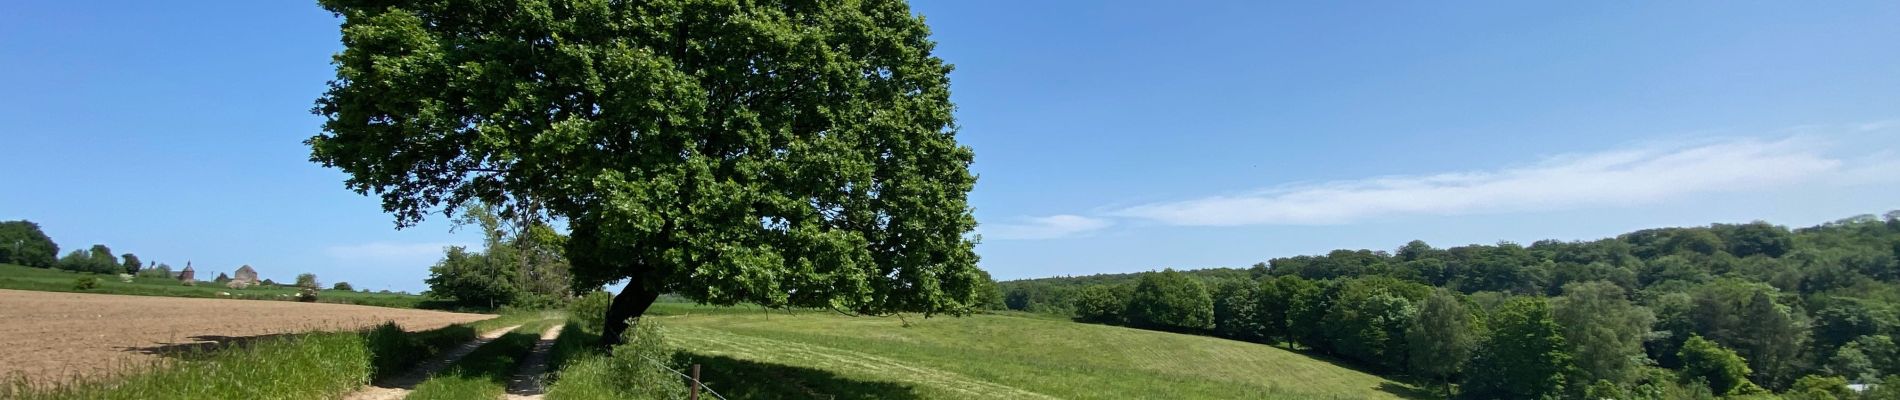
point(1613, 178)
point(1050, 227)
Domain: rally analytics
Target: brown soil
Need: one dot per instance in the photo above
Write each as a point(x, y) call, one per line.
point(57, 336)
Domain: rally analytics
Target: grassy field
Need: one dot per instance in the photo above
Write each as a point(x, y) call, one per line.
point(53, 280)
point(754, 354)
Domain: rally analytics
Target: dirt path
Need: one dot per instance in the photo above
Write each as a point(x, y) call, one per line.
point(399, 387)
point(526, 384)
point(51, 336)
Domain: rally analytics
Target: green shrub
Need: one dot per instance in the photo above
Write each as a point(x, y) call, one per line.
point(86, 282)
point(590, 311)
point(307, 294)
point(343, 286)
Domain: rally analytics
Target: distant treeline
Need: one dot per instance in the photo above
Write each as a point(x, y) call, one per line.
point(23, 243)
point(1727, 309)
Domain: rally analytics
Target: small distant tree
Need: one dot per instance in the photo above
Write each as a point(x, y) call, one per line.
point(307, 280)
point(161, 270)
point(77, 261)
point(1725, 372)
point(131, 263)
point(22, 242)
point(222, 278)
point(1170, 300)
point(103, 261)
point(471, 279)
point(343, 286)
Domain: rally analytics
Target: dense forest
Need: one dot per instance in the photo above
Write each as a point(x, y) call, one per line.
point(1724, 310)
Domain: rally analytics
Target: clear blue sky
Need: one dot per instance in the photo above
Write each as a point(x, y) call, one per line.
point(1111, 136)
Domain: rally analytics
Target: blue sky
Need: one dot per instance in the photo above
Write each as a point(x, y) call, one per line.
point(1111, 136)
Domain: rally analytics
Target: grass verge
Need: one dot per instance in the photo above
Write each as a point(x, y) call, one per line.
point(483, 372)
point(631, 371)
point(310, 366)
point(320, 365)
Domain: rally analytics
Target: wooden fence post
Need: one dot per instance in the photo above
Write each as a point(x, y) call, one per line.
point(695, 383)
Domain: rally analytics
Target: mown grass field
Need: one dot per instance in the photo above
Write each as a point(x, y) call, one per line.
point(52, 280)
point(756, 354)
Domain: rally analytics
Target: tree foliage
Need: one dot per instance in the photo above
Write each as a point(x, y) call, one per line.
point(1171, 301)
point(1524, 358)
point(1441, 337)
point(308, 280)
point(131, 263)
point(1821, 300)
point(1236, 310)
point(519, 266)
point(1604, 330)
point(1103, 303)
point(22, 242)
point(1725, 372)
point(778, 153)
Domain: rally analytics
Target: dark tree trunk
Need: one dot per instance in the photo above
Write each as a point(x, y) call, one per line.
point(632, 302)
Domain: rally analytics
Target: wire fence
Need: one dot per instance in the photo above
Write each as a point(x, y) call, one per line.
point(695, 380)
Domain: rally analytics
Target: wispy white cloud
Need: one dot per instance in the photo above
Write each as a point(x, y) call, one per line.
point(392, 253)
point(1050, 227)
point(1641, 175)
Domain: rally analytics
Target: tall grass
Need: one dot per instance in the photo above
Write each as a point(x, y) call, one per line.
point(321, 365)
point(631, 371)
point(393, 351)
point(310, 366)
point(482, 372)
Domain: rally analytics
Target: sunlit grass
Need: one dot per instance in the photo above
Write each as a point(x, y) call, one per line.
point(310, 366)
point(752, 353)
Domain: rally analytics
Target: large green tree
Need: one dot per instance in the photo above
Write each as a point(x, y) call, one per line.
point(1524, 358)
point(1604, 330)
point(1276, 304)
point(785, 153)
point(1236, 309)
point(1170, 300)
point(1441, 338)
point(22, 242)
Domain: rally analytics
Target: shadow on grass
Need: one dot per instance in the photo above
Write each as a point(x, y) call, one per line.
point(203, 346)
point(744, 379)
point(1408, 392)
